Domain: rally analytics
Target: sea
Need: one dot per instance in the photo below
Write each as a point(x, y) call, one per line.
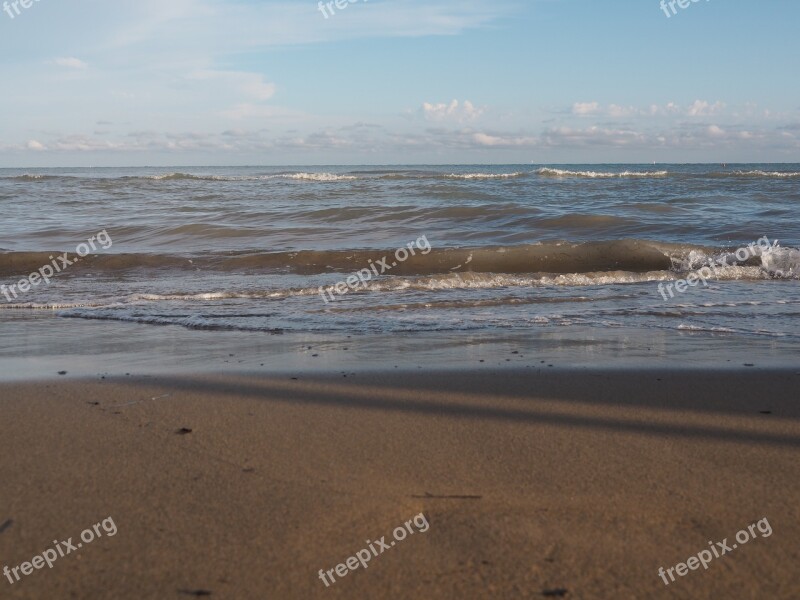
point(468, 266)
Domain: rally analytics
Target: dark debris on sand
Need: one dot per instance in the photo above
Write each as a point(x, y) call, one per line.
point(430, 496)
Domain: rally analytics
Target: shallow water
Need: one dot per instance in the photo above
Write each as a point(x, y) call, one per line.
point(488, 251)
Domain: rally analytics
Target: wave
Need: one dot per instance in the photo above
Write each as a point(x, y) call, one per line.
point(551, 172)
point(634, 256)
point(414, 175)
point(177, 177)
point(314, 177)
point(774, 261)
point(757, 173)
point(49, 305)
point(291, 176)
point(554, 257)
point(195, 322)
point(741, 174)
point(31, 177)
point(484, 175)
point(563, 173)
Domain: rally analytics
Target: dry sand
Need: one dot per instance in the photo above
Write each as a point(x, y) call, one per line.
point(536, 484)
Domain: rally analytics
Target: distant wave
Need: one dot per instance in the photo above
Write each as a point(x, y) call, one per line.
point(484, 175)
point(179, 177)
point(329, 177)
point(293, 176)
point(314, 177)
point(411, 175)
point(31, 177)
point(757, 173)
point(550, 172)
point(752, 174)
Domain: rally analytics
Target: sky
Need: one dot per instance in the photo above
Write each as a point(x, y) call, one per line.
point(223, 82)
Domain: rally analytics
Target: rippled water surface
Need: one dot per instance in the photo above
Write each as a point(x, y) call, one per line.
point(489, 250)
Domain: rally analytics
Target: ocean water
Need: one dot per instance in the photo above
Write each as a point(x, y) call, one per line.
point(556, 257)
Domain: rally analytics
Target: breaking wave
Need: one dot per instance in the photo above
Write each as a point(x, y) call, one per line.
point(484, 175)
point(550, 172)
point(778, 174)
point(291, 176)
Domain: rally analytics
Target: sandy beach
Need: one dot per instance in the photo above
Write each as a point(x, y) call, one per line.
point(534, 483)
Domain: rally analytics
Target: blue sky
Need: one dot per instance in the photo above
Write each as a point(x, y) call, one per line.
point(218, 82)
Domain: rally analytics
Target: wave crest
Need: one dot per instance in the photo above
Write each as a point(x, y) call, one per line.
point(551, 172)
point(759, 173)
point(484, 175)
point(292, 176)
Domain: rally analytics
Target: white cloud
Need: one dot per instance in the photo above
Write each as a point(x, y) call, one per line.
point(84, 143)
point(484, 139)
point(297, 136)
point(593, 136)
point(616, 111)
point(451, 112)
point(245, 26)
point(670, 108)
point(585, 108)
point(701, 108)
point(71, 63)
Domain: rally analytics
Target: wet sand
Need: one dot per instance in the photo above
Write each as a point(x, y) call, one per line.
point(535, 483)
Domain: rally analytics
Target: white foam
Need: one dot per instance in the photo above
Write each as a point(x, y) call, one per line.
point(782, 263)
point(685, 327)
point(48, 305)
point(550, 172)
point(292, 176)
point(318, 177)
point(757, 173)
point(484, 175)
